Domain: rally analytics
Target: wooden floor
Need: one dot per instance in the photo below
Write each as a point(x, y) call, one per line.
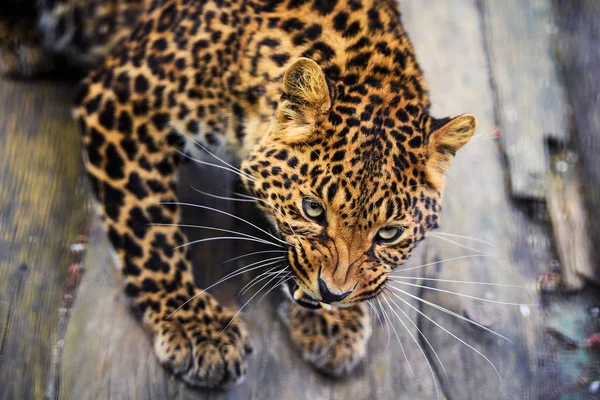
point(66, 332)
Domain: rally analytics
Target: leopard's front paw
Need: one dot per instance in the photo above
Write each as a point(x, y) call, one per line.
point(202, 344)
point(333, 341)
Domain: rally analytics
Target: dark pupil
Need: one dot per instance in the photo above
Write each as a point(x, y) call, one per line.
point(314, 205)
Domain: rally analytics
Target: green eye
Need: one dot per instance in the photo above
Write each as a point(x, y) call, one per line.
point(312, 209)
point(388, 234)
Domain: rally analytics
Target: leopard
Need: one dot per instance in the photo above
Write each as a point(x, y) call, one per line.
point(324, 114)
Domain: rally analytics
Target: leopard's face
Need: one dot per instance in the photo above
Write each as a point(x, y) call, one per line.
point(349, 216)
point(350, 196)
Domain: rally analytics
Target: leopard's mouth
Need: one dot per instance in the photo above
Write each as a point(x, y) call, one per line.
point(306, 301)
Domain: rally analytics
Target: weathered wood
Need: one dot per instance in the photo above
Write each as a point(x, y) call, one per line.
point(579, 56)
point(569, 221)
point(41, 211)
point(476, 204)
point(530, 104)
point(106, 351)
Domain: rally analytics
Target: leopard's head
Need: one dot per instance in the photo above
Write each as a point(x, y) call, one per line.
point(351, 181)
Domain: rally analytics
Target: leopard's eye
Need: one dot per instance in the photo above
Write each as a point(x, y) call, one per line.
point(388, 234)
point(312, 209)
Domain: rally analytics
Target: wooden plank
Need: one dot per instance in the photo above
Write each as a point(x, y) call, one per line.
point(477, 205)
point(106, 352)
point(579, 56)
point(530, 103)
point(41, 211)
point(569, 221)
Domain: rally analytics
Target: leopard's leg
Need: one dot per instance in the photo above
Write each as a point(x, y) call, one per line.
point(334, 341)
point(132, 166)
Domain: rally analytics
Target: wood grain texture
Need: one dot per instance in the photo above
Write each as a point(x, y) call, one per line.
point(530, 100)
point(578, 54)
point(476, 205)
point(569, 221)
point(41, 211)
point(106, 351)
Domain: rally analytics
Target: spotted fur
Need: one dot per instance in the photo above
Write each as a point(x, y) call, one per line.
point(319, 101)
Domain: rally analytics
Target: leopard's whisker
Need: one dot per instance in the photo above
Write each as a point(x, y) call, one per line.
point(385, 314)
point(383, 322)
point(202, 162)
point(249, 199)
point(253, 253)
point(283, 279)
point(287, 221)
point(445, 310)
point(416, 278)
point(214, 196)
point(261, 263)
point(370, 309)
point(483, 137)
point(463, 237)
point(448, 332)
point(259, 278)
point(506, 303)
point(437, 390)
point(247, 196)
point(387, 325)
point(374, 311)
point(221, 238)
point(271, 261)
point(225, 213)
point(249, 300)
point(229, 276)
point(445, 260)
point(458, 244)
point(242, 173)
point(420, 332)
point(212, 228)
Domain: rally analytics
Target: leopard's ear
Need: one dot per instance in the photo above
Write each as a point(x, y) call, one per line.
point(305, 96)
point(446, 137)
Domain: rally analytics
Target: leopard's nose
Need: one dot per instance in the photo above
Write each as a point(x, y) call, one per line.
point(328, 296)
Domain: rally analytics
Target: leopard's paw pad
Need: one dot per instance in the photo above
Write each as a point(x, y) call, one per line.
point(206, 348)
point(334, 342)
